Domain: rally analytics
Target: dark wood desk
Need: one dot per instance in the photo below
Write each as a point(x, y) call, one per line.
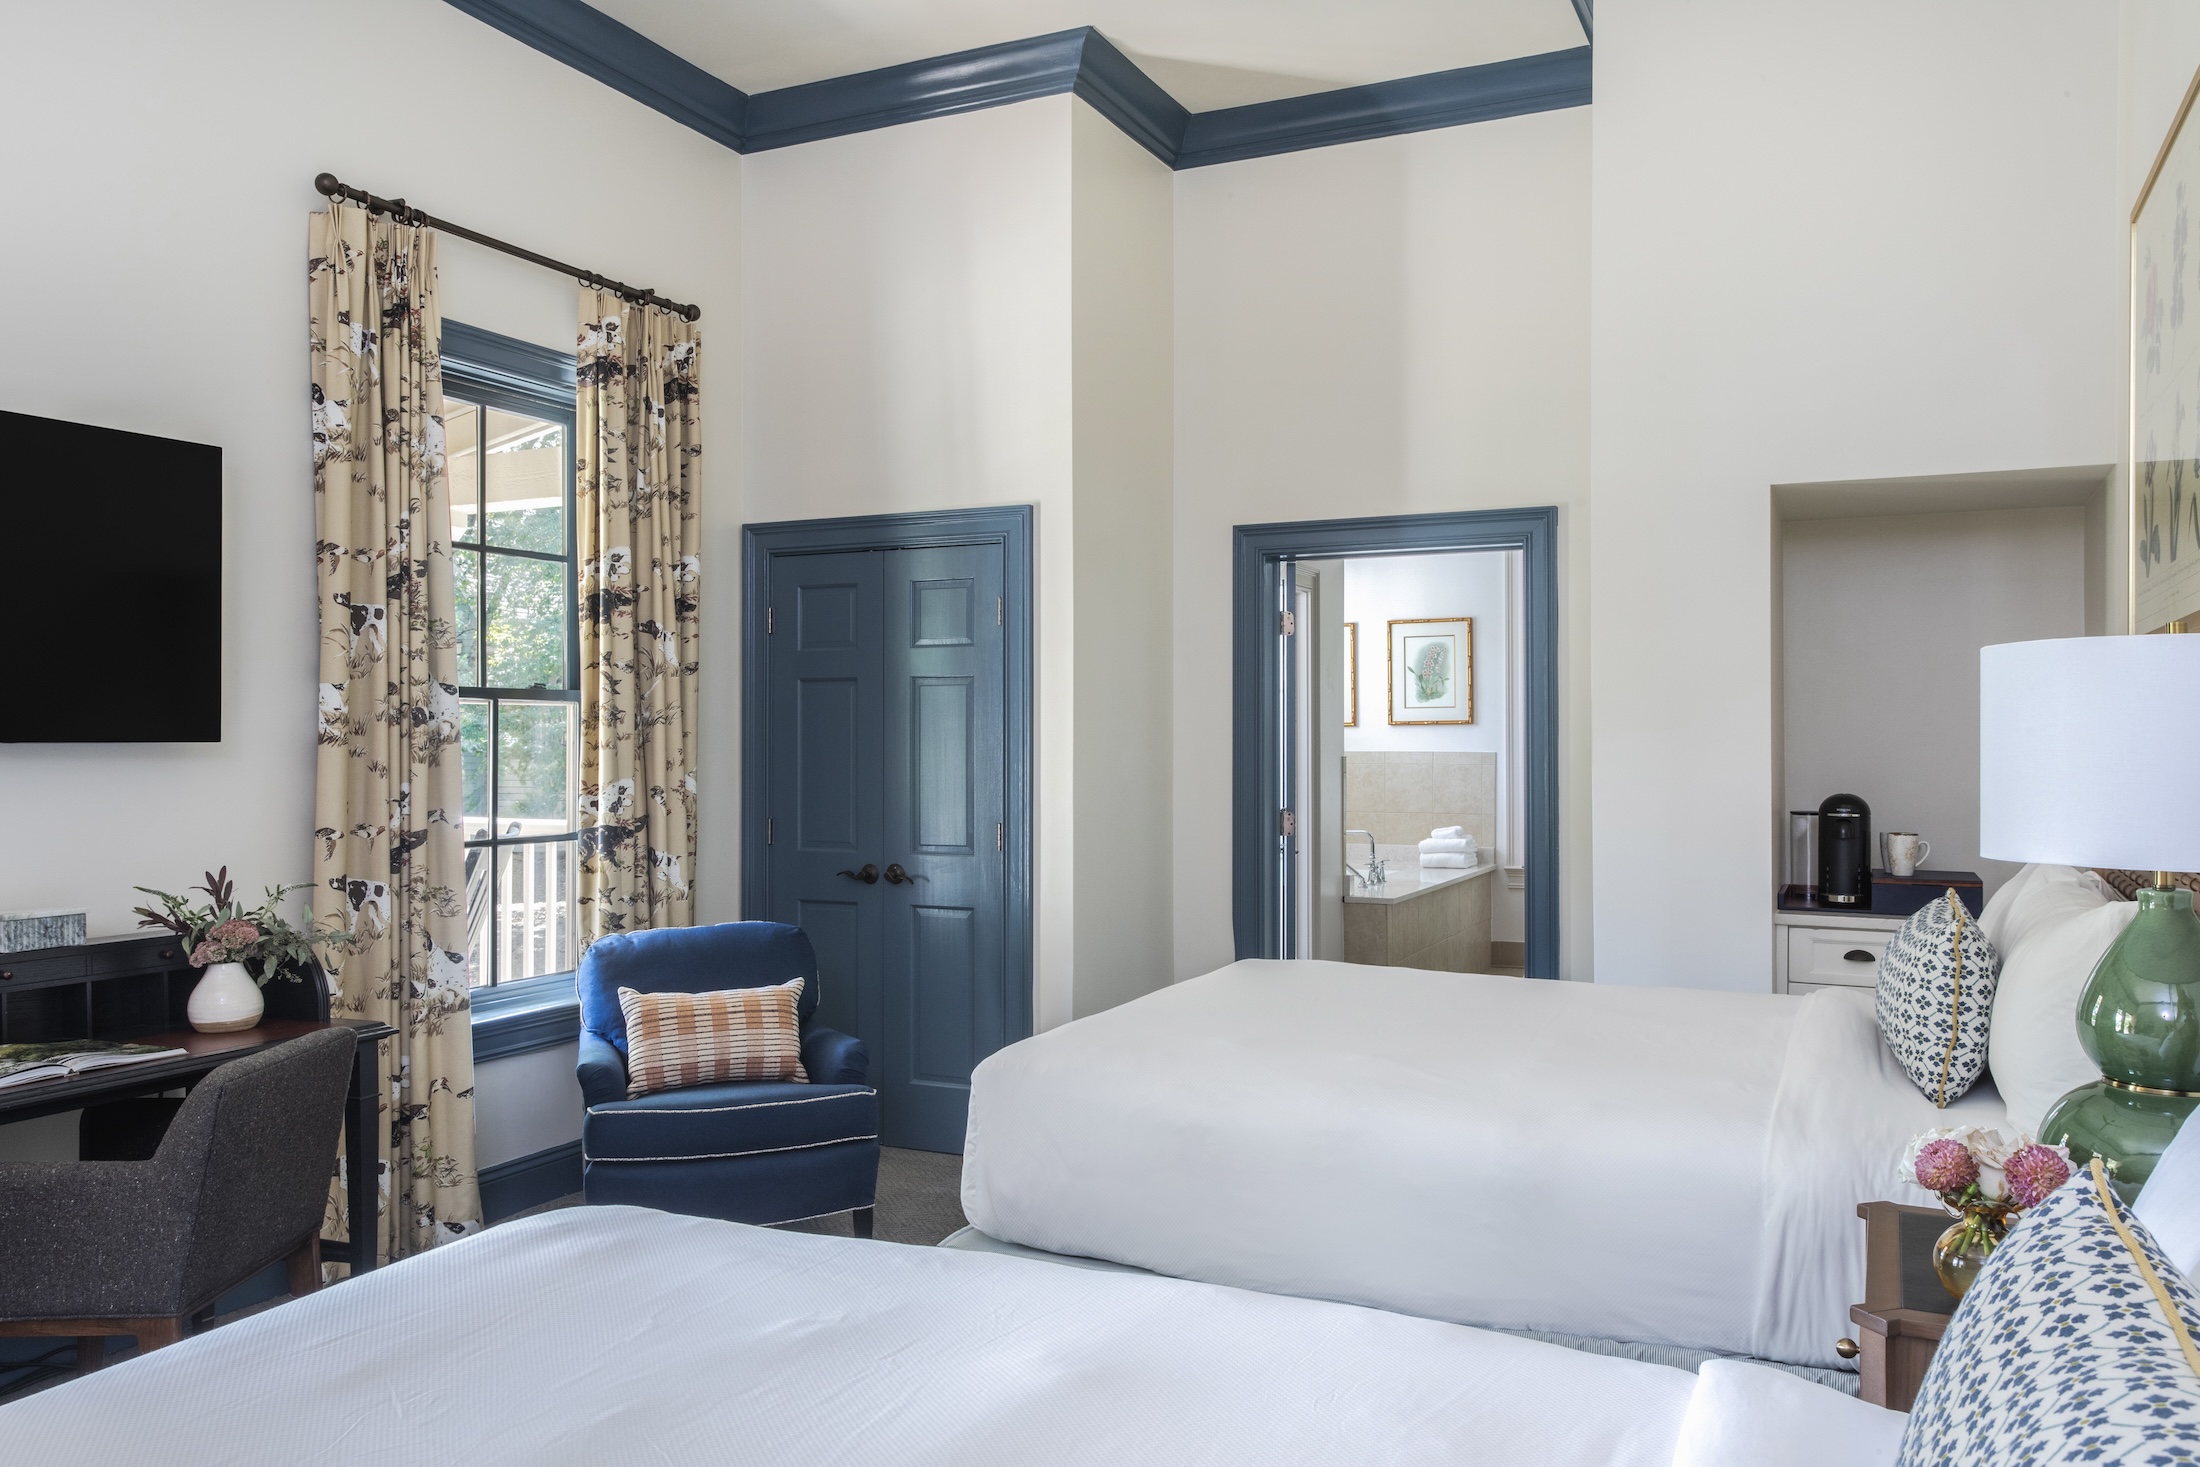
point(133, 990)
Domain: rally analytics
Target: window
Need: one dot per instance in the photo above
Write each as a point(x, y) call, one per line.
point(510, 445)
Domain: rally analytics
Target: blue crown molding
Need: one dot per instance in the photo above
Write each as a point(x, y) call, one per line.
point(1080, 61)
point(1584, 10)
point(1525, 84)
point(991, 76)
point(1113, 86)
point(623, 59)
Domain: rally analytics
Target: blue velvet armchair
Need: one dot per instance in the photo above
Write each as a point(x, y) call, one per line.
point(754, 1151)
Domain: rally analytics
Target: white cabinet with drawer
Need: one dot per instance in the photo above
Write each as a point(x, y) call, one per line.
point(1818, 950)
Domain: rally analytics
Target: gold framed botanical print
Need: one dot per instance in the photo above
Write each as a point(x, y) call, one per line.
point(1432, 670)
point(1351, 674)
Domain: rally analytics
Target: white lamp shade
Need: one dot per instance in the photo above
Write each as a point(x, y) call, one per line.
point(2078, 746)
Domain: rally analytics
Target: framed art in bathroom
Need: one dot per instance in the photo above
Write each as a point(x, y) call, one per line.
point(1432, 670)
point(1351, 674)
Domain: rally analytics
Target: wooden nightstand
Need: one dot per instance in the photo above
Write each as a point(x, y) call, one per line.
point(1905, 1308)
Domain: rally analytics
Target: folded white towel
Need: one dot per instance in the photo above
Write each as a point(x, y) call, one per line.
point(1451, 846)
point(1448, 860)
point(1449, 832)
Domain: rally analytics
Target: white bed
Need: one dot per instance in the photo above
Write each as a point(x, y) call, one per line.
point(617, 1335)
point(1669, 1166)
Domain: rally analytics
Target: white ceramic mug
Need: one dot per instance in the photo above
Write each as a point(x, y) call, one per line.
point(1905, 852)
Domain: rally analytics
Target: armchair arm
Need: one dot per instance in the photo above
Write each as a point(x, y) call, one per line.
point(830, 1057)
point(90, 1238)
point(602, 1070)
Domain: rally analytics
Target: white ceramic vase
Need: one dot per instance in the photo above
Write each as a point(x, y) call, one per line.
point(226, 998)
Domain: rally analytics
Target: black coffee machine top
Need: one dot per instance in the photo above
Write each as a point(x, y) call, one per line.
point(1844, 852)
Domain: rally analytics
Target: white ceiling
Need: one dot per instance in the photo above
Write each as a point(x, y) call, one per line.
point(1206, 53)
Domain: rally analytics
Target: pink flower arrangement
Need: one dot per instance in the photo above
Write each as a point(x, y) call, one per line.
point(1985, 1180)
point(227, 942)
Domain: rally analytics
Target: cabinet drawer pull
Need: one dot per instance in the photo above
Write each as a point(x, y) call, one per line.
point(1860, 955)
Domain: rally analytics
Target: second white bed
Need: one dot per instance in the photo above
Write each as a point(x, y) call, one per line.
point(1669, 1166)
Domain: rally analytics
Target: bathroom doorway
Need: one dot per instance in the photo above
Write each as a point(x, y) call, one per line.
point(1396, 742)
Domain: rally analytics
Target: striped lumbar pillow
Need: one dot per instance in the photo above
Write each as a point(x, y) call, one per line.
point(674, 1040)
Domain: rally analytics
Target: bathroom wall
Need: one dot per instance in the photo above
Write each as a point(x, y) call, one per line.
point(1402, 796)
point(1409, 587)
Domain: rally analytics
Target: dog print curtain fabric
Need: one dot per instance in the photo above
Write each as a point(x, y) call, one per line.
point(635, 482)
point(388, 849)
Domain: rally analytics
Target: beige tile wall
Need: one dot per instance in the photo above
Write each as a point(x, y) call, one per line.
point(1402, 797)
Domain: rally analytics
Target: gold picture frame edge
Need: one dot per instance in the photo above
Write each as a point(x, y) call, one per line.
point(2131, 358)
point(1390, 673)
point(1351, 674)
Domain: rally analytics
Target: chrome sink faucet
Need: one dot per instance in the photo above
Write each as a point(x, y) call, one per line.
point(1375, 875)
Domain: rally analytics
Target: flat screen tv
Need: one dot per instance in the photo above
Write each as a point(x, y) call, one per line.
point(111, 593)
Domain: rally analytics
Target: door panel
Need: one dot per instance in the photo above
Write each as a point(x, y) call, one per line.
point(822, 774)
point(832, 929)
point(945, 968)
point(827, 736)
point(943, 964)
point(939, 765)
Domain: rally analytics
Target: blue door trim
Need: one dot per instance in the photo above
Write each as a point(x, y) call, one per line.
point(1081, 61)
point(1008, 526)
point(1257, 553)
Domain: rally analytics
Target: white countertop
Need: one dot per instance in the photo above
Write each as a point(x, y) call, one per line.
point(1407, 881)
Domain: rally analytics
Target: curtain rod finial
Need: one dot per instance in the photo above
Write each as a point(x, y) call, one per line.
point(325, 183)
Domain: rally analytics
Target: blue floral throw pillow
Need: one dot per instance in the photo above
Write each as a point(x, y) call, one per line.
point(2075, 1345)
point(1936, 998)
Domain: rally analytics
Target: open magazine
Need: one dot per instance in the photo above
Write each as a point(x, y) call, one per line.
point(60, 1059)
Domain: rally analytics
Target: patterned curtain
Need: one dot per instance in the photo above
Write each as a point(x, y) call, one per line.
point(640, 438)
point(389, 856)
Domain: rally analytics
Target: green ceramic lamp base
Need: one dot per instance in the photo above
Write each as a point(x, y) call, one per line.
point(2139, 1020)
point(2127, 1129)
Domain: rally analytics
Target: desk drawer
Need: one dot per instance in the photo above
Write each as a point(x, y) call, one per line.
point(1834, 955)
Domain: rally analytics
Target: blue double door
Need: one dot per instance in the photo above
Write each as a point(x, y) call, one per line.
point(886, 781)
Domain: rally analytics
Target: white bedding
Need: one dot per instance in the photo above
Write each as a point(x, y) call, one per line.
point(1672, 1166)
point(618, 1335)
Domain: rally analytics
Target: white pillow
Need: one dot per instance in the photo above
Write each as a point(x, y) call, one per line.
point(2040, 896)
point(1754, 1416)
point(2059, 931)
point(2169, 1204)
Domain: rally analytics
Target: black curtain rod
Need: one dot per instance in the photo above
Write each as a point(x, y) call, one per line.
point(328, 184)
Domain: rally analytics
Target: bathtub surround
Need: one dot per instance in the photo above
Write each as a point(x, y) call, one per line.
point(1404, 797)
point(1422, 918)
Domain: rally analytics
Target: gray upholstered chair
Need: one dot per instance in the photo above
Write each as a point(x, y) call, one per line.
point(240, 1180)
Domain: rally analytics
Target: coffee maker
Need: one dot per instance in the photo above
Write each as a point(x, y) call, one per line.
point(1844, 851)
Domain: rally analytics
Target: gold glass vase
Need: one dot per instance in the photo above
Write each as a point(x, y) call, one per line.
point(1971, 1239)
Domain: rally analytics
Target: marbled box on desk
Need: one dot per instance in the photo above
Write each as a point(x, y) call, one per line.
point(22, 932)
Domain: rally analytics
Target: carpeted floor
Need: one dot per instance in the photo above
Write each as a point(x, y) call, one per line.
point(919, 1199)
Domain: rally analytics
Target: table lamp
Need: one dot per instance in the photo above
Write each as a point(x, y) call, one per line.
point(2079, 745)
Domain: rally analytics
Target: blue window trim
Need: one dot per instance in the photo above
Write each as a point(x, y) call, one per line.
point(543, 1012)
point(1081, 61)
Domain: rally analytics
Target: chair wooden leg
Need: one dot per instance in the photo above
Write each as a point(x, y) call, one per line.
point(304, 1266)
point(862, 1220)
point(91, 1353)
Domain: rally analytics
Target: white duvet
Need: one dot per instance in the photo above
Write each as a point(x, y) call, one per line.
point(615, 1335)
point(1673, 1166)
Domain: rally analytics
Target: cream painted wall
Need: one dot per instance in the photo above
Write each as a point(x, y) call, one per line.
point(907, 313)
point(1385, 327)
point(168, 258)
point(1831, 242)
point(1121, 327)
point(1883, 620)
